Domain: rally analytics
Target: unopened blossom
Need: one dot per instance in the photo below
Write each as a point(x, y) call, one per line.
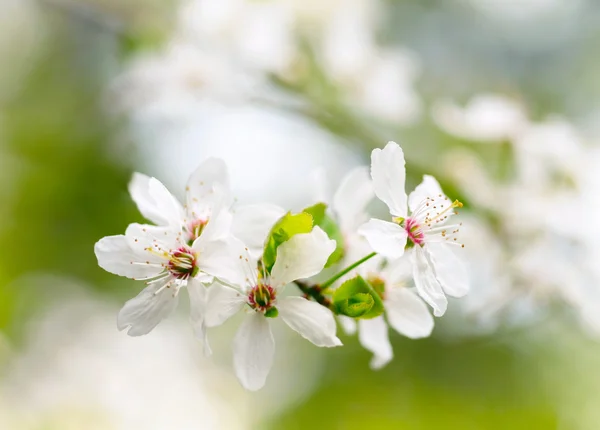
point(190, 246)
point(436, 269)
point(259, 294)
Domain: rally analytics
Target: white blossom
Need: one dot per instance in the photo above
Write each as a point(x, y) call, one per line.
point(190, 245)
point(437, 271)
point(259, 294)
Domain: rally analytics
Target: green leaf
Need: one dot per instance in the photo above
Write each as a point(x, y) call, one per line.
point(287, 227)
point(356, 298)
point(317, 212)
point(329, 226)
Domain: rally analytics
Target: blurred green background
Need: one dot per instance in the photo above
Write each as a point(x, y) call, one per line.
point(67, 152)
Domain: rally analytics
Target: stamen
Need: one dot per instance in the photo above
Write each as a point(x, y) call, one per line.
point(262, 297)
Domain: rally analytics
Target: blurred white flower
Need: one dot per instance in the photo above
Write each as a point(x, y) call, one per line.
point(302, 256)
point(541, 253)
point(436, 269)
point(259, 34)
point(180, 80)
point(75, 373)
point(486, 118)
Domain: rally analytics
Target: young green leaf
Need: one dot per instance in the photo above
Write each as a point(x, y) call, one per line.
point(329, 226)
point(288, 226)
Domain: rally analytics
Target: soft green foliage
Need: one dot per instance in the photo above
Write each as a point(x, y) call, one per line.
point(356, 298)
point(329, 226)
point(288, 226)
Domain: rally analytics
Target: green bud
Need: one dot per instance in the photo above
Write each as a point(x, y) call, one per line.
point(356, 298)
point(356, 306)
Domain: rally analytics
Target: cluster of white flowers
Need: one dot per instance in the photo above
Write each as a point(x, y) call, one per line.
point(228, 51)
point(240, 258)
point(535, 242)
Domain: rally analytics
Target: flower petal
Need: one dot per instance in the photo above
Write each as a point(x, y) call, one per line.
point(115, 256)
point(198, 309)
point(139, 189)
point(351, 199)
point(142, 313)
point(407, 313)
point(386, 238)
point(208, 187)
point(151, 242)
point(225, 259)
point(429, 187)
point(373, 336)
point(303, 256)
point(311, 320)
point(348, 324)
point(389, 176)
point(218, 227)
point(253, 351)
point(222, 303)
point(166, 204)
point(252, 224)
point(398, 271)
point(427, 285)
point(449, 269)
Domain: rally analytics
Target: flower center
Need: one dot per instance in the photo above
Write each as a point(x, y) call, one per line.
point(195, 229)
point(414, 231)
point(426, 223)
point(261, 298)
point(182, 263)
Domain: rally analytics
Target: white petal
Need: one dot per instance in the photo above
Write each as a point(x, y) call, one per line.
point(351, 199)
point(399, 271)
point(373, 335)
point(429, 187)
point(208, 187)
point(386, 238)
point(226, 259)
point(427, 285)
point(115, 256)
point(252, 224)
point(389, 176)
point(222, 303)
point(303, 256)
point(198, 308)
point(142, 313)
point(407, 313)
point(311, 320)
point(151, 242)
point(253, 351)
point(166, 204)
point(318, 185)
point(348, 324)
point(139, 189)
point(449, 270)
point(218, 227)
